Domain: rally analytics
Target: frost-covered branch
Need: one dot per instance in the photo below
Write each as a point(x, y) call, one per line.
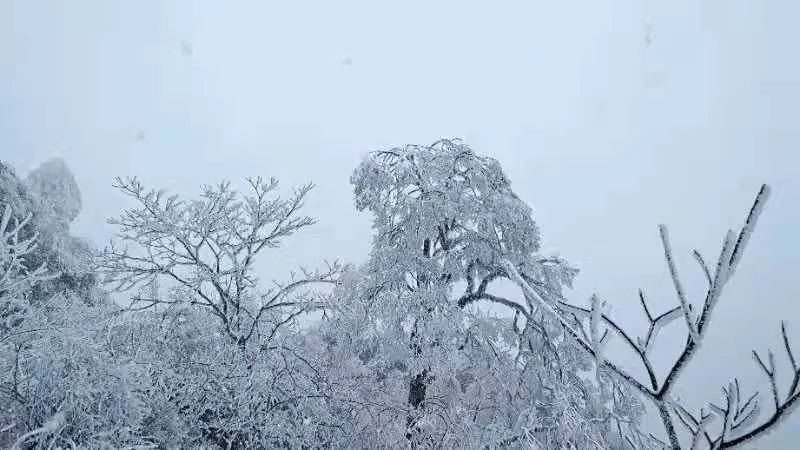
point(15, 276)
point(51, 426)
point(550, 309)
point(673, 271)
point(738, 417)
point(207, 247)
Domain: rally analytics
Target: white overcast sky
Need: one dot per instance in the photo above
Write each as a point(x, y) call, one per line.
point(609, 117)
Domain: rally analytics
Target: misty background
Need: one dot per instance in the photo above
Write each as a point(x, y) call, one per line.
point(609, 117)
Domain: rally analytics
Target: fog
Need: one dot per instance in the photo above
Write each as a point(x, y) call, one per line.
point(610, 117)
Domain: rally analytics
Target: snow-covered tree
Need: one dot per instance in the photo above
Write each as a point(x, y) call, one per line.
point(17, 277)
point(53, 183)
point(56, 385)
point(50, 196)
point(222, 351)
point(446, 217)
point(208, 248)
point(409, 351)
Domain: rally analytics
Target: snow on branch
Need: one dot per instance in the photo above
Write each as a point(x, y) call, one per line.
point(15, 276)
point(207, 248)
point(673, 271)
point(738, 415)
point(595, 322)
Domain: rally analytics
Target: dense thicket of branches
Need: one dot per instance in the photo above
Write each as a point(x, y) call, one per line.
point(198, 349)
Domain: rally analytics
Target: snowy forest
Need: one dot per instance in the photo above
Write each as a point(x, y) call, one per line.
point(458, 331)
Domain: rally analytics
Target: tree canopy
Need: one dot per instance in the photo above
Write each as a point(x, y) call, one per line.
point(200, 349)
